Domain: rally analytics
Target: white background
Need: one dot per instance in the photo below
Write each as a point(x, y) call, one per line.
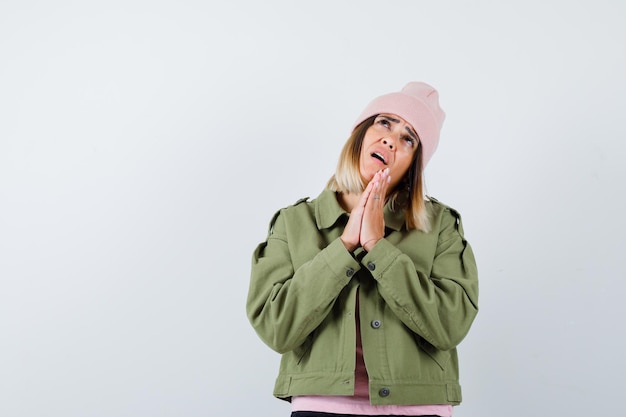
point(144, 146)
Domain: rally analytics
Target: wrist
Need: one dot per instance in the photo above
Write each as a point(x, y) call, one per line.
point(369, 245)
point(349, 247)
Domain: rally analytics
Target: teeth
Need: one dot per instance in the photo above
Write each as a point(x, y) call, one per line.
point(379, 156)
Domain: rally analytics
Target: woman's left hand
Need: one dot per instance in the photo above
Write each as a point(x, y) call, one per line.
point(373, 224)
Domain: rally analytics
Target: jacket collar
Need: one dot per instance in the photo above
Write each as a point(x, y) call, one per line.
point(328, 211)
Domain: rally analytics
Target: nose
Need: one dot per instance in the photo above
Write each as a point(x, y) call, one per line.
point(389, 141)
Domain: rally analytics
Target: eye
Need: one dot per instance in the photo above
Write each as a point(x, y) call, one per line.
point(384, 122)
point(409, 140)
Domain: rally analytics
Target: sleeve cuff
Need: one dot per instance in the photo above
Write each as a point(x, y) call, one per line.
point(341, 263)
point(380, 258)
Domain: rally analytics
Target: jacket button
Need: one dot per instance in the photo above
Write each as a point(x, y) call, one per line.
point(371, 266)
point(349, 272)
point(376, 324)
point(384, 392)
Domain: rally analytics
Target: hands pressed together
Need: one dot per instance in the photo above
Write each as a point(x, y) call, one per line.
point(366, 225)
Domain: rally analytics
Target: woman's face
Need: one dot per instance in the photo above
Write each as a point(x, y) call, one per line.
point(389, 143)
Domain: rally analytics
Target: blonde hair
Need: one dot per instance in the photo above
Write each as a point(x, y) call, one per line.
point(408, 194)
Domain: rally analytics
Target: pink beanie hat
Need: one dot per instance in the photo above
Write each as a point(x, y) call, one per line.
point(418, 104)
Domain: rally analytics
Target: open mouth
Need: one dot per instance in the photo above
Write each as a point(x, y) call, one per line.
point(379, 157)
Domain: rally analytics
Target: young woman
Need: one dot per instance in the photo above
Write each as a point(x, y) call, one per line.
point(367, 290)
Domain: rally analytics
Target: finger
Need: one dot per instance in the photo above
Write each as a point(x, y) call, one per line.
point(351, 235)
point(370, 190)
point(384, 184)
point(377, 194)
point(352, 230)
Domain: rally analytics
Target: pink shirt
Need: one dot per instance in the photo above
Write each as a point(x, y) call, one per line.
point(359, 404)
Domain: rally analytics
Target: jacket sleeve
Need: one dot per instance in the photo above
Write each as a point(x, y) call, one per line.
point(285, 304)
point(439, 305)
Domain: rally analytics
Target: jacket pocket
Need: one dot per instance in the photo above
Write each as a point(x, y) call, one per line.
point(441, 357)
point(303, 350)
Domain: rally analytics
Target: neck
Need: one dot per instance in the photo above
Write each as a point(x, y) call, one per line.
point(348, 201)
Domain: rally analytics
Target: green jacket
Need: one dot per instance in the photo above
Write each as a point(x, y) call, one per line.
point(417, 293)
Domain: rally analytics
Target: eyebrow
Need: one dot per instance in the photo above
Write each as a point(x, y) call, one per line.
point(408, 129)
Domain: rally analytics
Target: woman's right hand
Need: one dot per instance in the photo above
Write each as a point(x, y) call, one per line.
point(351, 236)
point(373, 218)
